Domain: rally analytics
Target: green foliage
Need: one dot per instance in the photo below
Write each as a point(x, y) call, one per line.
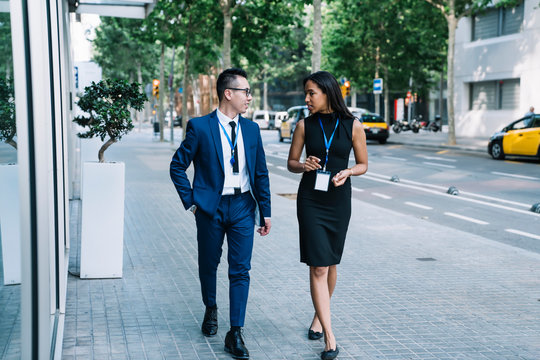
point(122, 48)
point(407, 36)
point(188, 23)
point(6, 61)
point(107, 106)
point(260, 27)
point(8, 127)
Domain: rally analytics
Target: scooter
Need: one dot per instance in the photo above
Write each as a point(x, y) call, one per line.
point(404, 125)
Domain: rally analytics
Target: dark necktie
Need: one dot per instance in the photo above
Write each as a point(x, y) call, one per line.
point(234, 152)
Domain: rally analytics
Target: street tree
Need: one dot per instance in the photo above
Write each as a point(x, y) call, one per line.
point(191, 26)
point(317, 36)
point(121, 50)
point(264, 39)
point(399, 41)
point(453, 11)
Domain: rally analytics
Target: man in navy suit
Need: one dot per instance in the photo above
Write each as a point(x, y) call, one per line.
point(230, 193)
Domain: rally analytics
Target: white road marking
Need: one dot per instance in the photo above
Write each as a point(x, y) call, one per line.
point(282, 168)
point(422, 186)
point(441, 165)
point(269, 164)
point(394, 158)
point(357, 189)
point(466, 218)
point(386, 180)
point(381, 195)
point(523, 233)
point(515, 175)
point(436, 158)
point(418, 205)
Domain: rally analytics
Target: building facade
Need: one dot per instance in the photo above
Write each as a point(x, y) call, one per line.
point(497, 68)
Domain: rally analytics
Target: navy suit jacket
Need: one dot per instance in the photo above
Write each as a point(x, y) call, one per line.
point(202, 146)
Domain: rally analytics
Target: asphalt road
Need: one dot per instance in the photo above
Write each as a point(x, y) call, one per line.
point(494, 197)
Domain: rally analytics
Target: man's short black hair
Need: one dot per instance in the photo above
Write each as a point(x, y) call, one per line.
point(227, 79)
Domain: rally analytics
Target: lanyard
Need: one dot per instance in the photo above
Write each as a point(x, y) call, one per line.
point(229, 139)
point(327, 143)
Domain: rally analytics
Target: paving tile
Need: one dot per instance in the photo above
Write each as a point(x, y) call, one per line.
point(477, 301)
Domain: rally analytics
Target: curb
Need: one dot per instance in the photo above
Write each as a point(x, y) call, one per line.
point(440, 146)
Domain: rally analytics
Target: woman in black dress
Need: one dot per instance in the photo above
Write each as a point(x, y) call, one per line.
point(324, 194)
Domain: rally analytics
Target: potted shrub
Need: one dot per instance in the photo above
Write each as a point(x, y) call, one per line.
point(106, 105)
point(9, 190)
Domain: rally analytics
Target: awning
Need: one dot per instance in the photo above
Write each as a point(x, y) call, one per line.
point(136, 9)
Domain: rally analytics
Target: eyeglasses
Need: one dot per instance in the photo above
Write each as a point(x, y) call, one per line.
point(247, 90)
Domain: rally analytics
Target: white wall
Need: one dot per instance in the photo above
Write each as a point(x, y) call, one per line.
point(504, 57)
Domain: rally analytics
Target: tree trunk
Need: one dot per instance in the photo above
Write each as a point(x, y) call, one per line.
point(171, 96)
point(196, 95)
point(452, 25)
point(161, 93)
point(386, 97)
point(101, 157)
point(265, 91)
point(441, 83)
point(139, 79)
point(12, 143)
point(317, 34)
point(226, 9)
point(185, 115)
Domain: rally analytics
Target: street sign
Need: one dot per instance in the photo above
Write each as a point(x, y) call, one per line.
point(377, 86)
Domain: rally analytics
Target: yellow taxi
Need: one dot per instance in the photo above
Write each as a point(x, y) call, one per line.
point(520, 138)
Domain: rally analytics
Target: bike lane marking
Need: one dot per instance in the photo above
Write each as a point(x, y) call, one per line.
point(466, 218)
point(424, 207)
point(523, 233)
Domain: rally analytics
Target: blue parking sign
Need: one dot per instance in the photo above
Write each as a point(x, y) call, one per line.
point(377, 86)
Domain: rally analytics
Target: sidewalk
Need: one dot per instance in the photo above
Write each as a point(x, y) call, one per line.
point(407, 289)
point(439, 140)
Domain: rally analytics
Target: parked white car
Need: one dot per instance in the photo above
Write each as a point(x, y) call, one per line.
point(264, 118)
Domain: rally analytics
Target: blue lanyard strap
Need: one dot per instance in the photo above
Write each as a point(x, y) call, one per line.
point(233, 146)
point(328, 143)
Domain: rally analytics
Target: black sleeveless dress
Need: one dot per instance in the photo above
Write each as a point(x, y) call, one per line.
point(323, 217)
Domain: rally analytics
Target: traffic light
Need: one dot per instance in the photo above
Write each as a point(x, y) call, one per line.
point(155, 88)
point(347, 85)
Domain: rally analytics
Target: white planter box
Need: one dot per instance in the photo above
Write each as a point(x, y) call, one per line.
point(102, 231)
point(10, 223)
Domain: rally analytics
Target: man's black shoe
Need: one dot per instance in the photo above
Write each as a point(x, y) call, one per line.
point(234, 344)
point(209, 326)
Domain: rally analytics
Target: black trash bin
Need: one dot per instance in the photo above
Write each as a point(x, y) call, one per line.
point(156, 127)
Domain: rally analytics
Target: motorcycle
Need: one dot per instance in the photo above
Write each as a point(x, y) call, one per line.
point(434, 125)
point(404, 125)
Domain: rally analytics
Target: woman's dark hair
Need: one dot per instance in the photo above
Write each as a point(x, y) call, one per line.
point(227, 79)
point(329, 85)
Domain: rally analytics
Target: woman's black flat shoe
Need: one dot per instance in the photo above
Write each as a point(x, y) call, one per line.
point(314, 335)
point(330, 354)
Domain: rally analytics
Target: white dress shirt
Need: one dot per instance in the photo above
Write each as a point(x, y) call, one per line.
point(243, 179)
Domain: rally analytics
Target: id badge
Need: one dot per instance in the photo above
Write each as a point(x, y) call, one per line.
point(232, 180)
point(322, 180)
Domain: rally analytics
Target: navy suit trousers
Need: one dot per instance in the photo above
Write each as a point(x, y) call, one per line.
point(235, 218)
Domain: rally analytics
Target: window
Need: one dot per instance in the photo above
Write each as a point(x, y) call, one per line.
point(497, 22)
point(494, 95)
